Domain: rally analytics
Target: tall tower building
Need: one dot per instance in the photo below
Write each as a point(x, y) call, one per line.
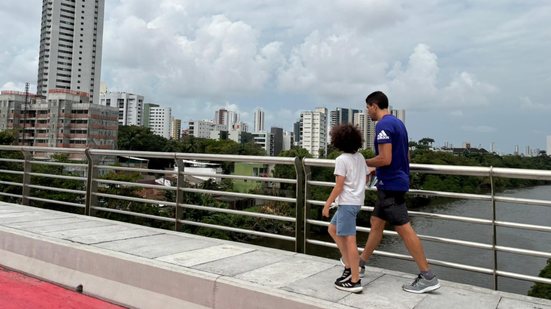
point(342, 116)
point(277, 140)
point(70, 46)
point(314, 131)
point(226, 117)
point(159, 121)
point(131, 107)
point(258, 120)
point(176, 128)
point(399, 113)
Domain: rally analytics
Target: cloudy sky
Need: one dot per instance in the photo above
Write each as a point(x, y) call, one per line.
point(465, 71)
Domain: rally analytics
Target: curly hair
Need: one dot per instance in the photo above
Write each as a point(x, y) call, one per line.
point(346, 138)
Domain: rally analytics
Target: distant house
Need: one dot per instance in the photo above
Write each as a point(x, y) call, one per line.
point(249, 169)
point(129, 161)
point(203, 171)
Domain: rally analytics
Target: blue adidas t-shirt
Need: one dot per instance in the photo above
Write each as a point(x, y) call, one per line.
point(393, 177)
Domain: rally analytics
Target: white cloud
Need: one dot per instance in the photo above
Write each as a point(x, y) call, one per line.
point(527, 104)
point(336, 67)
point(417, 85)
point(222, 57)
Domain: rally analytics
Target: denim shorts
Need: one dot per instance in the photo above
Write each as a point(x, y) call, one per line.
point(345, 219)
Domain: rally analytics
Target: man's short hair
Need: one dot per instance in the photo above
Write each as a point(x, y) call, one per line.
point(346, 138)
point(379, 98)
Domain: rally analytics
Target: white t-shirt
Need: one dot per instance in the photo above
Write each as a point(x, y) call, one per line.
point(354, 170)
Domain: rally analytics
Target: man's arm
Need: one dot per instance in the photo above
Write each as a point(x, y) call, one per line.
point(384, 157)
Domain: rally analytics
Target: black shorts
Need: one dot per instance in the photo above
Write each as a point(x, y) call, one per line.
point(391, 207)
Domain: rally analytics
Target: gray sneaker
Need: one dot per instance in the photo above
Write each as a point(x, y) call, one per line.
point(362, 266)
point(422, 285)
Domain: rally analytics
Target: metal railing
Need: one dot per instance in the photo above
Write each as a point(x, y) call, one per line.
point(91, 196)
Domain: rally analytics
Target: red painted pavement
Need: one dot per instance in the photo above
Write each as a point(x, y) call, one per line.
point(18, 291)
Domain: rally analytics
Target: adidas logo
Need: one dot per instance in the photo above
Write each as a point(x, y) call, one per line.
point(382, 135)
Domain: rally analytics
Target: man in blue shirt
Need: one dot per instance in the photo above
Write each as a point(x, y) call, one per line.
point(392, 169)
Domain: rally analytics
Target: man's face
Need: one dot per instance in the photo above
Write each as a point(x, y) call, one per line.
point(372, 111)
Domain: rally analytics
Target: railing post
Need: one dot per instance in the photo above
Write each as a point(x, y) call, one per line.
point(91, 185)
point(300, 225)
point(179, 194)
point(307, 176)
point(27, 169)
point(494, 227)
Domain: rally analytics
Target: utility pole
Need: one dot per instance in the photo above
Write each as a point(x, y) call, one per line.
point(25, 111)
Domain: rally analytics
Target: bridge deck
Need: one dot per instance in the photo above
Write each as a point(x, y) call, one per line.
point(153, 268)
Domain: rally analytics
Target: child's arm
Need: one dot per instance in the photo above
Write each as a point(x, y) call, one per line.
point(339, 185)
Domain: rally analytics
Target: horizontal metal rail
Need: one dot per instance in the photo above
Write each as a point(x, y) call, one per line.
point(12, 160)
point(135, 199)
point(12, 172)
point(57, 189)
point(135, 169)
point(424, 214)
point(236, 194)
point(515, 200)
point(64, 164)
point(9, 183)
point(45, 200)
point(134, 184)
point(11, 195)
point(133, 214)
point(58, 176)
point(239, 212)
point(237, 230)
point(254, 178)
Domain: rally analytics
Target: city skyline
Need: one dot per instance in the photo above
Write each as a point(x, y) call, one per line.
point(475, 72)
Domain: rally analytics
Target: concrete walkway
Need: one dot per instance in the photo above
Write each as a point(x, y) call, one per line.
point(144, 267)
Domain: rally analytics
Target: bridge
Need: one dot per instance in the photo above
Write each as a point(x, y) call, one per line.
point(148, 267)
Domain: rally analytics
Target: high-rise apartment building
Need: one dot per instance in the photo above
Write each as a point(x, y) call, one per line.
point(399, 113)
point(277, 140)
point(175, 128)
point(549, 145)
point(342, 116)
point(287, 140)
point(264, 139)
point(258, 120)
point(65, 118)
point(131, 107)
point(314, 131)
point(368, 131)
point(226, 117)
point(146, 111)
point(159, 121)
point(70, 46)
point(297, 133)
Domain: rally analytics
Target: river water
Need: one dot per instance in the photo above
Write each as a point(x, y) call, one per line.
point(525, 239)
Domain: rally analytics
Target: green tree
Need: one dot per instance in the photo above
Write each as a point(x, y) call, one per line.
point(8, 137)
point(542, 290)
point(140, 139)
